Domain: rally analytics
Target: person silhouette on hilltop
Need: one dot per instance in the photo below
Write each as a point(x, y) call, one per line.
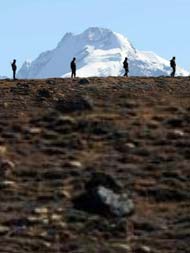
point(173, 66)
point(73, 68)
point(14, 67)
point(126, 66)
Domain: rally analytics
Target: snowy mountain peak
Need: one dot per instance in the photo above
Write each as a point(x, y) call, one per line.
point(101, 38)
point(96, 34)
point(99, 52)
point(66, 37)
point(25, 68)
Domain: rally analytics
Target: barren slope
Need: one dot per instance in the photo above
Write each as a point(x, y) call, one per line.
point(54, 133)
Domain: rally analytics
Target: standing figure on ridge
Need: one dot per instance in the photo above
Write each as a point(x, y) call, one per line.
point(73, 68)
point(14, 67)
point(126, 66)
point(173, 66)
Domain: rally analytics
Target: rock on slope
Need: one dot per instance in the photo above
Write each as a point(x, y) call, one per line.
point(99, 52)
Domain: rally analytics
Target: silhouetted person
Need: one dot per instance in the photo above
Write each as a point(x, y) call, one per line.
point(73, 68)
point(126, 66)
point(14, 67)
point(173, 66)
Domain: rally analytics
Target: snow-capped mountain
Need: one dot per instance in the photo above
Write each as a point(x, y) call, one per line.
point(99, 52)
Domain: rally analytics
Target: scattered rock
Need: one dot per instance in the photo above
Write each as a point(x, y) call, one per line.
point(23, 85)
point(4, 230)
point(21, 89)
point(175, 122)
point(101, 198)
point(34, 130)
point(45, 221)
point(56, 217)
point(5, 184)
point(47, 244)
point(130, 145)
point(51, 82)
point(172, 109)
point(131, 104)
point(41, 210)
point(176, 134)
point(3, 150)
point(143, 249)
point(153, 124)
point(84, 81)
point(122, 247)
point(6, 105)
point(6, 166)
point(43, 93)
point(66, 192)
point(179, 133)
point(33, 219)
point(75, 164)
point(65, 120)
point(119, 205)
point(74, 104)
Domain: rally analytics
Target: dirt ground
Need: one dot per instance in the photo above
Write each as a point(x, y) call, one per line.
point(55, 133)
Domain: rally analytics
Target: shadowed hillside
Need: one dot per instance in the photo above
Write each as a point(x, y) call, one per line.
point(55, 133)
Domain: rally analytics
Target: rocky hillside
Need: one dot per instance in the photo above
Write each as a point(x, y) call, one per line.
point(98, 165)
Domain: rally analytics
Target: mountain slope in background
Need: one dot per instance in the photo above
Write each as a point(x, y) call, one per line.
point(3, 77)
point(99, 52)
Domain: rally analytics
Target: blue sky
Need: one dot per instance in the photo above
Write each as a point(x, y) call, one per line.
point(28, 27)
